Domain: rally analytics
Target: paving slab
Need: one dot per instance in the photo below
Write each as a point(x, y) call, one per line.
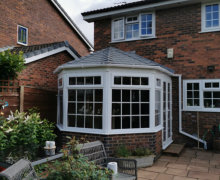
point(177, 172)
point(177, 166)
point(203, 175)
point(164, 177)
point(155, 169)
point(183, 178)
point(147, 174)
point(198, 168)
point(199, 160)
point(168, 158)
point(214, 171)
point(161, 163)
point(199, 164)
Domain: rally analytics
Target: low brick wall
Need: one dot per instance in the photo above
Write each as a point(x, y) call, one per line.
point(153, 141)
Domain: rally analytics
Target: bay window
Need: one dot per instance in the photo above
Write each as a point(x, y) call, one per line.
point(202, 95)
point(133, 27)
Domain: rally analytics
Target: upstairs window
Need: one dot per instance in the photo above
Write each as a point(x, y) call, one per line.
point(210, 17)
point(22, 35)
point(133, 27)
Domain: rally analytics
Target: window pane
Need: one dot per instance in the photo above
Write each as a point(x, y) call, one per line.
point(126, 95)
point(80, 95)
point(216, 23)
point(189, 102)
point(135, 109)
point(135, 122)
point(98, 108)
point(126, 122)
point(117, 80)
point(215, 7)
point(196, 94)
point(116, 95)
point(80, 80)
point(216, 103)
point(72, 81)
point(189, 94)
point(116, 109)
point(216, 94)
point(135, 95)
point(89, 108)
point(126, 80)
point(72, 95)
point(189, 86)
point(208, 16)
point(89, 95)
point(145, 108)
point(80, 121)
point(215, 85)
point(71, 120)
point(145, 121)
point(80, 108)
point(208, 8)
point(135, 81)
point(89, 122)
point(89, 80)
point(144, 95)
point(116, 123)
point(98, 95)
point(196, 102)
point(126, 109)
point(208, 103)
point(144, 81)
point(98, 122)
point(196, 86)
point(71, 108)
point(208, 85)
point(207, 95)
point(97, 80)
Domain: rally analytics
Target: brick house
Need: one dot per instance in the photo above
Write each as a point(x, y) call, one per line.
point(182, 35)
point(48, 37)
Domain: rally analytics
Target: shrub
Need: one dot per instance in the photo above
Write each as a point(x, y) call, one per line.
point(22, 134)
point(122, 151)
point(141, 151)
point(10, 64)
point(73, 166)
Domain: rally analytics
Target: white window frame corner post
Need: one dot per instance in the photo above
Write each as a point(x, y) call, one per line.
point(65, 101)
point(152, 101)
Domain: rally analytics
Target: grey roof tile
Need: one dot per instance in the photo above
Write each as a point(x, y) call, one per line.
point(30, 51)
point(113, 56)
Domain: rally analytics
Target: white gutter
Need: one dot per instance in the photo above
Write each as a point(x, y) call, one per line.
point(180, 116)
point(125, 10)
point(73, 25)
point(82, 66)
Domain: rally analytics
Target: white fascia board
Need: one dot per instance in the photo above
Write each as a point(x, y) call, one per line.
point(81, 66)
point(74, 26)
point(166, 4)
point(49, 53)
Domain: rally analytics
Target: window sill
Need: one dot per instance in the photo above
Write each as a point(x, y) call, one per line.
point(22, 44)
point(111, 132)
point(209, 30)
point(128, 40)
point(202, 110)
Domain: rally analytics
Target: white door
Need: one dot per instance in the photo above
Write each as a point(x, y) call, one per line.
point(167, 114)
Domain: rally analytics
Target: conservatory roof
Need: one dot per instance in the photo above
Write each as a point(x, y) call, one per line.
point(112, 57)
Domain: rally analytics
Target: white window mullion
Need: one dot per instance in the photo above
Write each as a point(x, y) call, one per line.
point(65, 101)
point(152, 102)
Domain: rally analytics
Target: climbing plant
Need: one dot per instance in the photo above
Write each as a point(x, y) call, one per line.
point(11, 64)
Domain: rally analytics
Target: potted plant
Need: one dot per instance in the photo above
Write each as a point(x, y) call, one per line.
point(142, 155)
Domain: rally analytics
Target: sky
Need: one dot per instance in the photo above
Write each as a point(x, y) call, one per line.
point(74, 8)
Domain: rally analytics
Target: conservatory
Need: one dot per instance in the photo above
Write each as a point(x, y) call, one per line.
point(112, 92)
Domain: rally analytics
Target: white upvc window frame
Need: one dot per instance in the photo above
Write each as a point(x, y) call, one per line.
point(202, 89)
point(113, 27)
point(203, 18)
point(25, 44)
point(141, 36)
point(153, 25)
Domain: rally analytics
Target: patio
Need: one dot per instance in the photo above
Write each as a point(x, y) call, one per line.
point(190, 165)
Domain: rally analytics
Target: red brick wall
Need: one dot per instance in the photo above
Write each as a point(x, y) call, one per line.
point(111, 142)
point(39, 74)
point(178, 28)
point(45, 24)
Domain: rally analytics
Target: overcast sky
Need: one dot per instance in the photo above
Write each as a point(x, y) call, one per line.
point(75, 7)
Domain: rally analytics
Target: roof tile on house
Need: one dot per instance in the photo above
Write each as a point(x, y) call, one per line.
point(30, 51)
point(126, 5)
point(112, 56)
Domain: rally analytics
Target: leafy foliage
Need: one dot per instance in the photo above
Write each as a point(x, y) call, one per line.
point(22, 134)
point(74, 166)
point(122, 151)
point(141, 151)
point(10, 64)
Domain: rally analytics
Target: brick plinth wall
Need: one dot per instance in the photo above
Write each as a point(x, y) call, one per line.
point(153, 141)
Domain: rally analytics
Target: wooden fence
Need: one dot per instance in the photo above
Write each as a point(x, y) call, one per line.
point(24, 98)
